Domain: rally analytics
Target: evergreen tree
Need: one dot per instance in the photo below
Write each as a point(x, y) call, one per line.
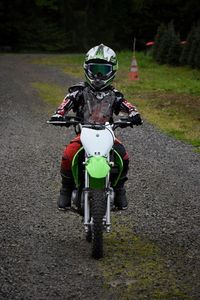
point(194, 47)
point(76, 25)
point(187, 47)
point(197, 54)
point(174, 50)
point(165, 44)
point(197, 58)
point(161, 30)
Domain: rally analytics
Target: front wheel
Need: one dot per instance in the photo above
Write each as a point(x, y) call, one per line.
point(98, 212)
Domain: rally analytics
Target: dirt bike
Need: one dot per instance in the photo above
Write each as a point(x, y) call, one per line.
point(96, 169)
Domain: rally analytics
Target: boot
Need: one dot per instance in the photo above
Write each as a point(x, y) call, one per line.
point(64, 199)
point(120, 200)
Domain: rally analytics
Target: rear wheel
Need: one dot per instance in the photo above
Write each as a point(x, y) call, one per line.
point(98, 212)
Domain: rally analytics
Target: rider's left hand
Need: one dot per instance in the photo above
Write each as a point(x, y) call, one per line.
point(136, 119)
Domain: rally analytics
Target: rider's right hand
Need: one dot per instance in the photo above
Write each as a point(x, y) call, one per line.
point(56, 117)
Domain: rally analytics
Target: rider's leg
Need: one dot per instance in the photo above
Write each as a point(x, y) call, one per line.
point(120, 192)
point(64, 200)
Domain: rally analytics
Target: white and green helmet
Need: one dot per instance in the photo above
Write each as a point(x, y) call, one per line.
point(100, 66)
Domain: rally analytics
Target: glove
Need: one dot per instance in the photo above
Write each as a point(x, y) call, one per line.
point(136, 119)
point(56, 117)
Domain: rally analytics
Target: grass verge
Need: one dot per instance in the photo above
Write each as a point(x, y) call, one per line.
point(50, 93)
point(176, 115)
point(133, 268)
point(167, 97)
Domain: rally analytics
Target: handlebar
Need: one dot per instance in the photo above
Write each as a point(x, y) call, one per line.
point(72, 120)
point(122, 123)
point(67, 121)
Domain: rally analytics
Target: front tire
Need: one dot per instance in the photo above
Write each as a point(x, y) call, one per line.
point(98, 212)
point(89, 235)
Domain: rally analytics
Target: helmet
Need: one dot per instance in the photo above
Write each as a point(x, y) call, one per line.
point(100, 66)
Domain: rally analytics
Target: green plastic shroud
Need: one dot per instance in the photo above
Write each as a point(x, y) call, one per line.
point(97, 168)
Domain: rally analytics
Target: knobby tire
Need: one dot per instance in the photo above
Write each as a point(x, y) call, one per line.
point(98, 212)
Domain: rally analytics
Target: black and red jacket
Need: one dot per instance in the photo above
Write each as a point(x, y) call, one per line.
point(93, 105)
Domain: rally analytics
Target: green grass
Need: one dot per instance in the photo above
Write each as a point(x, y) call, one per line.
point(50, 93)
point(134, 268)
point(70, 63)
point(156, 78)
point(168, 97)
point(177, 115)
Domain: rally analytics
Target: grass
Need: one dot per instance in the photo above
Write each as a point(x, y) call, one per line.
point(70, 64)
point(157, 78)
point(175, 114)
point(133, 268)
point(167, 97)
point(50, 93)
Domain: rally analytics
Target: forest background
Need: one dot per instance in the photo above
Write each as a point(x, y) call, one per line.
point(77, 25)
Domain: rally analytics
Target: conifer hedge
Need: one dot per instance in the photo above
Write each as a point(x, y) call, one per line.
point(168, 48)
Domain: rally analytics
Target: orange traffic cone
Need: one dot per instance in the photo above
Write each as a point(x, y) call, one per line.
point(133, 74)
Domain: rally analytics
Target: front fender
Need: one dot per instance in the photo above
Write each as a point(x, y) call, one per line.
point(97, 167)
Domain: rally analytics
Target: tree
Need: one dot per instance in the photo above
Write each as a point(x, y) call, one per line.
point(174, 50)
point(194, 46)
point(76, 25)
point(187, 47)
point(197, 54)
point(156, 47)
point(165, 44)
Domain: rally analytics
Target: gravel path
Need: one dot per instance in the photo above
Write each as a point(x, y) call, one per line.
point(43, 253)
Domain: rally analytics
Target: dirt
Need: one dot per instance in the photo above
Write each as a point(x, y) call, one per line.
point(43, 252)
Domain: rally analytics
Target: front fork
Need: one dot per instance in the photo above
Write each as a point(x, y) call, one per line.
point(109, 192)
point(109, 197)
point(87, 218)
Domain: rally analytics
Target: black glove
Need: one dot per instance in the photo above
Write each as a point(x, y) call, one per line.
point(136, 119)
point(56, 117)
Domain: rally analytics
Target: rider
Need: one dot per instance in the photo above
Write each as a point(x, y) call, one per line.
point(95, 101)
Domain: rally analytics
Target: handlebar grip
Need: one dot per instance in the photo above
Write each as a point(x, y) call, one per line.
point(58, 123)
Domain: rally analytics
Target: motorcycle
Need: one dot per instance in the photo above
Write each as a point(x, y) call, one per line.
point(96, 169)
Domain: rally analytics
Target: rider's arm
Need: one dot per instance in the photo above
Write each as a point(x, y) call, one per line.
point(71, 101)
point(127, 107)
point(121, 104)
point(63, 108)
point(132, 111)
point(66, 105)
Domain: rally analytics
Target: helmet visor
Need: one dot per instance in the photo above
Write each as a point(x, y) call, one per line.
point(99, 69)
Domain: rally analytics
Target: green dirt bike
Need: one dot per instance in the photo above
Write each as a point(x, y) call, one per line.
point(96, 168)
